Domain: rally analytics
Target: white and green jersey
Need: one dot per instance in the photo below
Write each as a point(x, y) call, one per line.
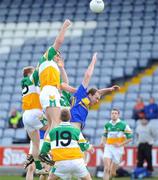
point(65, 142)
point(30, 92)
point(117, 132)
point(49, 73)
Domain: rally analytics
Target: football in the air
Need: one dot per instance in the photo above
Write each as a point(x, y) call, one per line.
point(97, 6)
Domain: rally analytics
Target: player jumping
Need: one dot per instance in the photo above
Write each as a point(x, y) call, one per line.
point(32, 116)
point(49, 75)
point(83, 98)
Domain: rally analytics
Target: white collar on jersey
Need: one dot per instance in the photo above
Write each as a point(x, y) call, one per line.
point(65, 123)
point(112, 122)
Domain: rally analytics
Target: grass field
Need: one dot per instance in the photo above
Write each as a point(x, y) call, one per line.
point(22, 178)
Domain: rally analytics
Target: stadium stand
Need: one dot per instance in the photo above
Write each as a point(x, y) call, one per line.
point(125, 37)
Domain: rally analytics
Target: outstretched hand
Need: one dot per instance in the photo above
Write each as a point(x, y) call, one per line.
point(67, 23)
point(94, 58)
point(115, 88)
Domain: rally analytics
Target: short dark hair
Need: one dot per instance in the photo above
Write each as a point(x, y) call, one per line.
point(27, 70)
point(115, 109)
point(65, 115)
point(92, 91)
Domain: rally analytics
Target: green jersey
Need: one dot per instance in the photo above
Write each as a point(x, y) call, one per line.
point(65, 142)
point(117, 132)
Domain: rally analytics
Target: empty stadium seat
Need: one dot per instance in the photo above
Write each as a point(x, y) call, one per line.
point(6, 141)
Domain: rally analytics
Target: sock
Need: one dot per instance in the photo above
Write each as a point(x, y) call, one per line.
point(38, 164)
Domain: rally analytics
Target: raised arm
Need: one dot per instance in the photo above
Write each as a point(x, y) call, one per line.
point(89, 71)
point(104, 91)
point(64, 76)
point(60, 38)
point(67, 87)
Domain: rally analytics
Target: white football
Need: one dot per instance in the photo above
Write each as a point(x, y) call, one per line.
point(97, 6)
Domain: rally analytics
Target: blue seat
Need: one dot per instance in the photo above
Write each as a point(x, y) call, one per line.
point(135, 31)
point(146, 47)
point(134, 47)
point(6, 141)
point(112, 32)
point(123, 39)
point(135, 39)
point(137, 23)
point(9, 132)
point(121, 55)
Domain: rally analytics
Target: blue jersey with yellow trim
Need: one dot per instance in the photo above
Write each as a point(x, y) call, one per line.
point(80, 106)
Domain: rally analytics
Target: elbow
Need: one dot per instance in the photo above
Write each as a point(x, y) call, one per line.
point(62, 86)
point(66, 81)
point(87, 75)
point(59, 41)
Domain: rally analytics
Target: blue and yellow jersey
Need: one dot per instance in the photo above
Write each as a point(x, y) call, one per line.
point(80, 106)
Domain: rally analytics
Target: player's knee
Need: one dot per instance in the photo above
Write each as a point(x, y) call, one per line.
point(106, 170)
point(112, 172)
point(31, 168)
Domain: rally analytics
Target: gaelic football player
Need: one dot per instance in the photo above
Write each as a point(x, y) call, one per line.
point(49, 75)
point(116, 135)
point(83, 98)
point(32, 116)
point(66, 144)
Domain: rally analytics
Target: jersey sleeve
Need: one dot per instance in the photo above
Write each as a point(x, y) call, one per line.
point(46, 145)
point(35, 77)
point(128, 132)
point(83, 143)
point(50, 53)
point(105, 134)
point(81, 92)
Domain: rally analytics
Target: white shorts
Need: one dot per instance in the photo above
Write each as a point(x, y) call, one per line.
point(49, 97)
point(68, 168)
point(31, 146)
point(31, 119)
point(114, 153)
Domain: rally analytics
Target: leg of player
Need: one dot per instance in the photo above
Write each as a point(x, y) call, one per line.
point(107, 165)
point(47, 169)
point(52, 114)
point(76, 124)
point(88, 177)
point(113, 169)
point(30, 172)
point(52, 177)
point(43, 177)
point(35, 138)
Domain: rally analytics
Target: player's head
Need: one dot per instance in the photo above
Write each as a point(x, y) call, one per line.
point(93, 95)
point(65, 115)
point(115, 114)
point(28, 70)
